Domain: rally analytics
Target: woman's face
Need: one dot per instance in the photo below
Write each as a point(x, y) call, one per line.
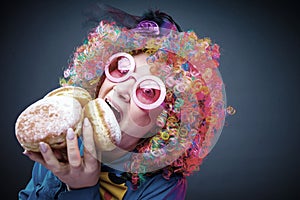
point(134, 121)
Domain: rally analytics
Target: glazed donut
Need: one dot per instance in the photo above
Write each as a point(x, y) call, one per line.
point(107, 133)
point(47, 120)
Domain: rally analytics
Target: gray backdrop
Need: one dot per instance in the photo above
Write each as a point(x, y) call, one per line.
point(256, 156)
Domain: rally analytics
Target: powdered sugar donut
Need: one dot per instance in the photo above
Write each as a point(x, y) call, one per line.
point(47, 120)
point(107, 132)
point(80, 94)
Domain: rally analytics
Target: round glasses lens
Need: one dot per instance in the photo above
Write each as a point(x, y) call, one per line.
point(119, 67)
point(148, 91)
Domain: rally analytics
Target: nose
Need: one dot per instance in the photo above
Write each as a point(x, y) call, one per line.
point(124, 89)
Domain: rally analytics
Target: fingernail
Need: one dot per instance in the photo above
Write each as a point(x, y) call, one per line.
point(43, 147)
point(26, 153)
point(70, 134)
point(86, 122)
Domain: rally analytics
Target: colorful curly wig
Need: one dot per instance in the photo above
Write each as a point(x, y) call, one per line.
point(195, 105)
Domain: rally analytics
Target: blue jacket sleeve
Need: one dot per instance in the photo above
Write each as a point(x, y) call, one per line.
point(43, 185)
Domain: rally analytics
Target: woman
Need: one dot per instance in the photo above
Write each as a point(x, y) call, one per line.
point(168, 97)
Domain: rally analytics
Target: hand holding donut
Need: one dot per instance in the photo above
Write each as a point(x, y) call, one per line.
point(48, 130)
point(78, 172)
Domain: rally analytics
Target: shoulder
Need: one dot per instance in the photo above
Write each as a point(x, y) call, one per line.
point(160, 188)
point(43, 184)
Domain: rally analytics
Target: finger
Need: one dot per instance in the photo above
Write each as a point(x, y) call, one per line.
point(90, 155)
point(50, 160)
point(35, 156)
point(72, 149)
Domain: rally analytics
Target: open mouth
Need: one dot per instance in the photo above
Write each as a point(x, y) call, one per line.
point(114, 109)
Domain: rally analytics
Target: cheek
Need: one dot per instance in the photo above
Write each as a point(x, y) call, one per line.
point(105, 88)
point(140, 117)
point(136, 122)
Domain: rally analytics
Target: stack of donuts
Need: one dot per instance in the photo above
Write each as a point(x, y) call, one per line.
point(48, 119)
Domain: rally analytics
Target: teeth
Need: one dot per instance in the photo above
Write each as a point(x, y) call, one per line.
point(114, 109)
point(111, 105)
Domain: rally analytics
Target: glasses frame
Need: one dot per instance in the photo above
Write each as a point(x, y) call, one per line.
point(130, 74)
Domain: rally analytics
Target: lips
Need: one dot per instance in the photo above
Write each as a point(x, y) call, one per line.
point(114, 109)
